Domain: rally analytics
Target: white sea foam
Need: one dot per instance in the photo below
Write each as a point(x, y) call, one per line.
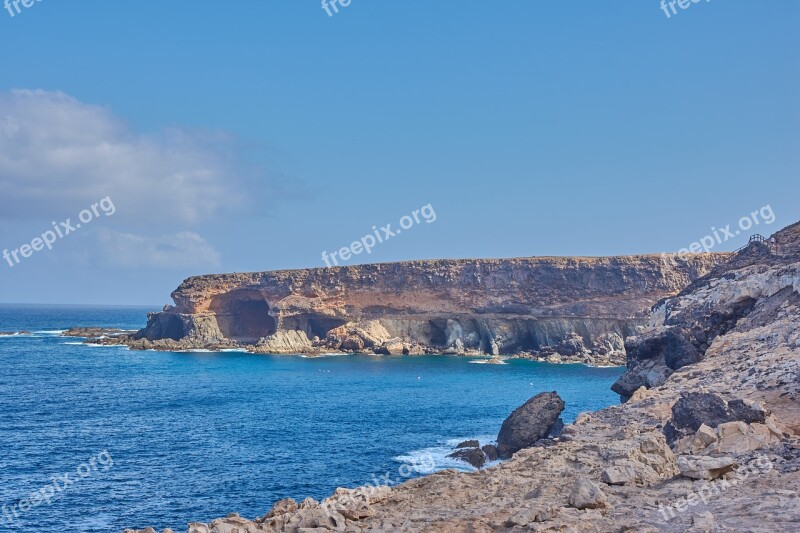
point(317, 356)
point(487, 362)
point(102, 345)
point(73, 343)
point(438, 456)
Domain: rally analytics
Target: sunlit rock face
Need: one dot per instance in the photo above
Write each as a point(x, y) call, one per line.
point(757, 287)
point(557, 307)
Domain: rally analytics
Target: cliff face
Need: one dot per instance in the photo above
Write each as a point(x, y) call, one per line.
point(710, 446)
point(683, 328)
point(505, 306)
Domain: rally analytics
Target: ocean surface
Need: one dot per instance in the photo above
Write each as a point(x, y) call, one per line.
point(161, 439)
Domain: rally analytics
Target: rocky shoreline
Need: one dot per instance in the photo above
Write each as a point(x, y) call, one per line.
point(556, 310)
point(570, 352)
point(707, 440)
point(496, 307)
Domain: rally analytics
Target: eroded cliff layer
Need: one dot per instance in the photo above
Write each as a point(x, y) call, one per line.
point(710, 445)
point(569, 306)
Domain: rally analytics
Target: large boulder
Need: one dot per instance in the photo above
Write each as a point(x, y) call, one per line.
point(653, 356)
point(587, 495)
point(528, 423)
point(695, 409)
point(708, 468)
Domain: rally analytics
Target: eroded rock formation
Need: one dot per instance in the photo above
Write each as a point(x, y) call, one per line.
point(575, 309)
point(613, 470)
point(754, 288)
point(529, 423)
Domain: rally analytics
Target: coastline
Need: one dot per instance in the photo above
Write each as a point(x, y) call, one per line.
point(707, 440)
point(97, 336)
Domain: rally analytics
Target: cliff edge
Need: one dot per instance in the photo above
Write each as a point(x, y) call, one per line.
point(707, 443)
point(549, 307)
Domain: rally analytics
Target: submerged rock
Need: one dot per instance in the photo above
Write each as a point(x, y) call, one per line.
point(92, 332)
point(473, 456)
point(490, 450)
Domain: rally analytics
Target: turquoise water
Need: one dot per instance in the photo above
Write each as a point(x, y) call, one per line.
point(194, 436)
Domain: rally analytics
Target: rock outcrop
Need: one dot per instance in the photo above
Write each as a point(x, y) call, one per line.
point(755, 287)
point(559, 309)
point(735, 465)
point(472, 453)
point(93, 332)
point(528, 423)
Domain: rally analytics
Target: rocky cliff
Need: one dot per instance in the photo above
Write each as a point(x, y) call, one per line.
point(582, 307)
point(707, 443)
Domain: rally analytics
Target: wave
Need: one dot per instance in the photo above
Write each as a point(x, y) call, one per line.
point(36, 334)
point(487, 362)
point(101, 345)
point(73, 343)
point(435, 458)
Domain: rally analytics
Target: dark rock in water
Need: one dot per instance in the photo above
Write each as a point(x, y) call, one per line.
point(694, 409)
point(473, 456)
point(490, 450)
point(92, 333)
point(556, 430)
point(469, 444)
point(529, 423)
point(13, 333)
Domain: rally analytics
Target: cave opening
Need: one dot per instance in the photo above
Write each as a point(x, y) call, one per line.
point(243, 318)
point(312, 325)
point(173, 329)
point(438, 333)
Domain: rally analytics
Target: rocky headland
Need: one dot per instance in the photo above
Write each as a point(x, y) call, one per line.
point(551, 309)
point(706, 441)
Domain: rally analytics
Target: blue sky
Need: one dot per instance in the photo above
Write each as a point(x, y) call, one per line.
point(254, 135)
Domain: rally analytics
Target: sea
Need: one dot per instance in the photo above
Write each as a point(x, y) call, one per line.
point(99, 439)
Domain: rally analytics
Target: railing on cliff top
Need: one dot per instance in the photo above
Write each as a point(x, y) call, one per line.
point(771, 245)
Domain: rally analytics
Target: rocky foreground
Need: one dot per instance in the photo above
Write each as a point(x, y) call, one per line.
point(554, 309)
point(706, 442)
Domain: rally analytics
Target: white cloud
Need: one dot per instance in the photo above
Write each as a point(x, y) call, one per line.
point(58, 155)
point(180, 250)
